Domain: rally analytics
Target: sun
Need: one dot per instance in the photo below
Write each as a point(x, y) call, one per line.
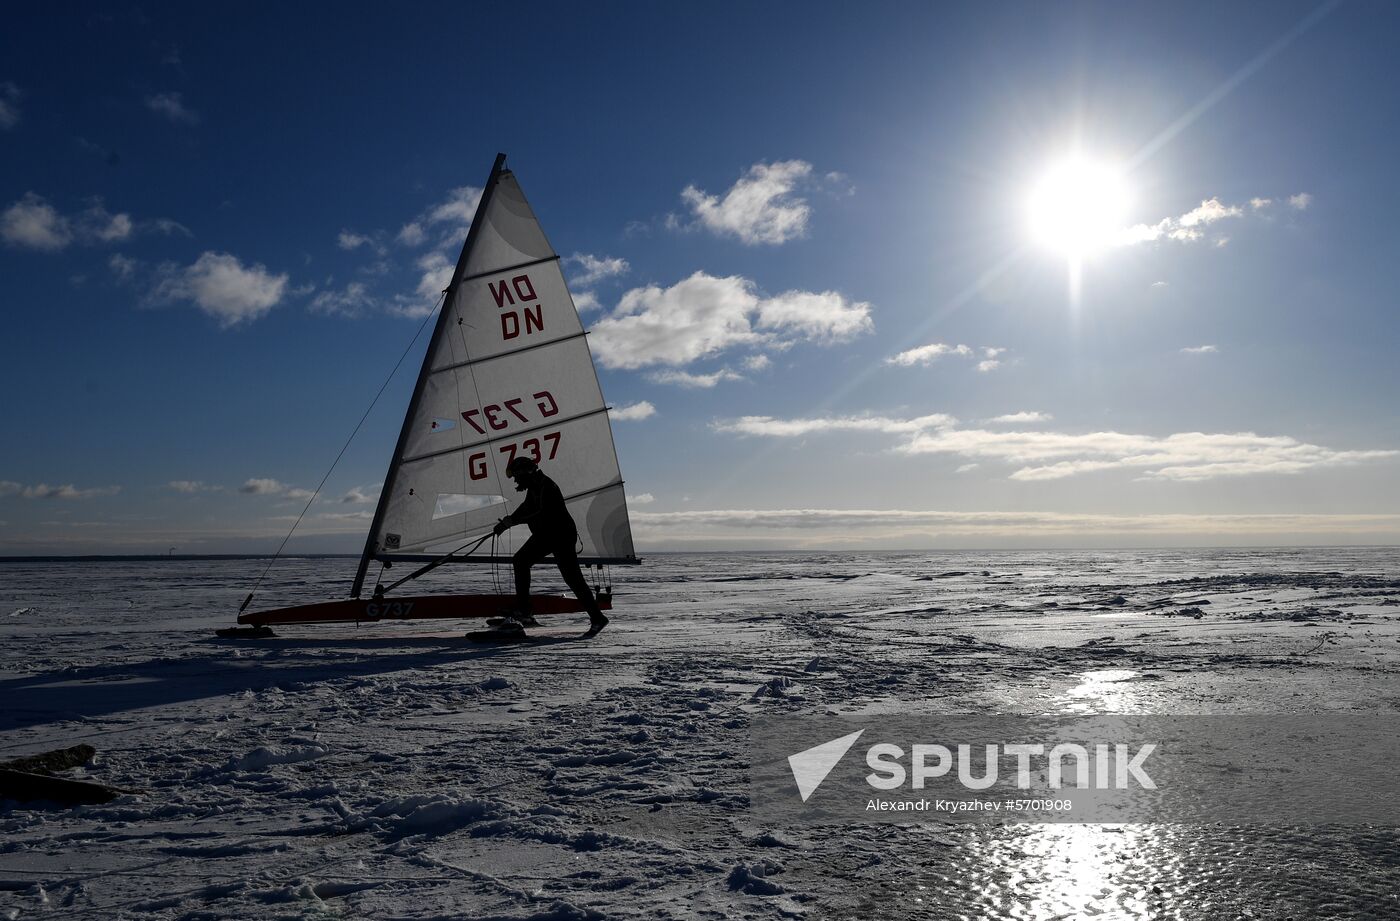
point(1078, 207)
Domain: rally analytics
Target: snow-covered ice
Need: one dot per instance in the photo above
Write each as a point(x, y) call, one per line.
point(398, 771)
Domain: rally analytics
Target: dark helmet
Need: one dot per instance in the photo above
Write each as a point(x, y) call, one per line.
point(520, 465)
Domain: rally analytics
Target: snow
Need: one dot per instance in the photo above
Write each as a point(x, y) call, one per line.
point(398, 771)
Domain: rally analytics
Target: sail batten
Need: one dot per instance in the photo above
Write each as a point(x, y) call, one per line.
point(524, 348)
point(511, 268)
point(499, 438)
point(508, 373)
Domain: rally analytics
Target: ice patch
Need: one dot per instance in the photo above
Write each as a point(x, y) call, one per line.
point(777, 687)
point(433, 814)
point(261, 758)
point(564, 911)
point(751, 879)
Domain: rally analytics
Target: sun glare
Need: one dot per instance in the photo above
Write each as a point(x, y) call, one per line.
point(1078, 207)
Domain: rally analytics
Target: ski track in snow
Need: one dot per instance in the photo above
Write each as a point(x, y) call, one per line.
point(397, 771)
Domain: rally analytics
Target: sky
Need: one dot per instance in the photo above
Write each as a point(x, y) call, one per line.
point(876, 276)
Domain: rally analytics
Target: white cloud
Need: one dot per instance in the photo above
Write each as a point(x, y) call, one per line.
point(1259, 204)
point(1208, 212)
point(928, 354)
point(166, 226)
point(10, 488)
point(173, 107)
point(693, 381)
point(703, 315)
point(826, 317)
point(596, 268)
point(99, 224)
point(760, 208)
point(585, 301)
point(221, 286)
point(645, 498)
point(965, 468)
point(262, 486)
point(10, 96)
point(442, 225)
point(1055, 455)
point(1021, 418)
point(757, 362)
point(457, 209)
point(436, 274)
point(1159, 284)
point(792, 428)
point(266, 486)
point(843, 526)
point(33, 223)
point(1300, 201)
point(1185, 228)
point(189, 487)
point(365, 515)
point(1199, 350)
point(350, 240)
point(362, 495)
point(66, 491)
point(1181, 456)
point(352, 300)
point(632, 412)
point(675, 326)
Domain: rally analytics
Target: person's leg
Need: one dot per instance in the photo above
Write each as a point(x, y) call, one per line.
point(530, 553)
point(573, 577)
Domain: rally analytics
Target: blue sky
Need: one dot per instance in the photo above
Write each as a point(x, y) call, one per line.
point(216, 225)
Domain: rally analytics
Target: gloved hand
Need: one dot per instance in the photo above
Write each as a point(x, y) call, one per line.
point(501, 527)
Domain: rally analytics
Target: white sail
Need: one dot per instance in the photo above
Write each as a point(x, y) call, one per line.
point(508, 372)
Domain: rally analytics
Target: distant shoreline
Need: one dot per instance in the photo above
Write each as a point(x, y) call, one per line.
point(189, 557)
point(172, 557)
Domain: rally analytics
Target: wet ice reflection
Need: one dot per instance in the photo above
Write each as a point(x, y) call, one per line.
point(1119, 872)
point(1104, 691)
point(1045, 872)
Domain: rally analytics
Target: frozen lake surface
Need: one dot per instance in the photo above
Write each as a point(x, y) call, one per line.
point(398, 771)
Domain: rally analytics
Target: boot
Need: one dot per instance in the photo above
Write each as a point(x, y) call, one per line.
point(525, 620)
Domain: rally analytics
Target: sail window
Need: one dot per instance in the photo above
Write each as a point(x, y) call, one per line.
point(449, 504)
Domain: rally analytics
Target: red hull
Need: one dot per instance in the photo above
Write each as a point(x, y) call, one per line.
point(413, 607)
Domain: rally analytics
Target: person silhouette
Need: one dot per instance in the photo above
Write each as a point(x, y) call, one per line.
point(552, 531)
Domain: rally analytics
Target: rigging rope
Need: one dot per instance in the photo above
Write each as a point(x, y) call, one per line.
point(358, 425)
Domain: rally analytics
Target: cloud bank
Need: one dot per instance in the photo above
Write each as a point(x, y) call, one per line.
point(1192, 226)
point(1042, 455)
point(704, 315)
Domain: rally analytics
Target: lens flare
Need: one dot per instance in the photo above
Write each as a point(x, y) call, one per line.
point(1078, 207)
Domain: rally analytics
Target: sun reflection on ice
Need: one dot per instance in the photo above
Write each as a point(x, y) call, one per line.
point(1074, 871)
point(1104, 691)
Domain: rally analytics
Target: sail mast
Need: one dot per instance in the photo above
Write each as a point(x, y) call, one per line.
point(423, 372)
